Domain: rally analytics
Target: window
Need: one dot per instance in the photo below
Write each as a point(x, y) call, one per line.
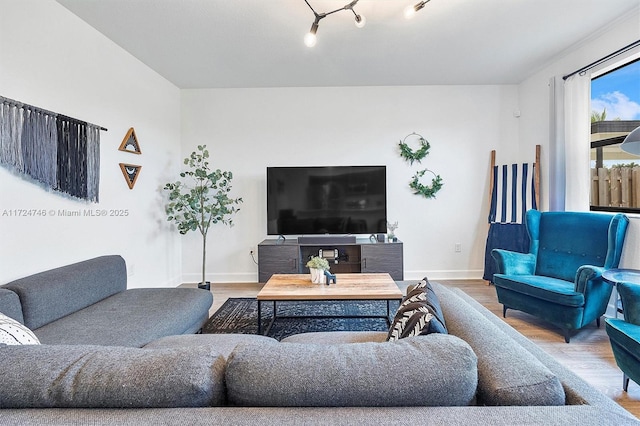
point(615, 111)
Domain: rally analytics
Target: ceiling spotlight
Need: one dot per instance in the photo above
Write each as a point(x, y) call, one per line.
point(310, 38)
point(411, 10)
point(360, 21)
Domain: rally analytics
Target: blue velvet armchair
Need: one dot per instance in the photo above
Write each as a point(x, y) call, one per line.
point(560, 279)
point(625, 334)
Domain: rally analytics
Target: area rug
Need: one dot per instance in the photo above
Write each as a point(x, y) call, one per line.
point(240, 315)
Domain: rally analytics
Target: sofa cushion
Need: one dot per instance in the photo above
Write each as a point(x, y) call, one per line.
point(437, 326)
point(419, 313)
point(625, 334)
point(133, 317)
point(540, 287)
point(410, 320)
point(336, 337)
point(14, 333)
point(10, 305)
point(224, 344)
point(560, 256)
point(110, 377)
point(508, 374)
point(53, 294)
point(443, 373)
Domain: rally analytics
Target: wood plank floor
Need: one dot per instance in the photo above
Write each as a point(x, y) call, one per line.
point(588, 355)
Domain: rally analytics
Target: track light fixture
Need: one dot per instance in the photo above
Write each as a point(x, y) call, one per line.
point(410, 11)
point(310, 38)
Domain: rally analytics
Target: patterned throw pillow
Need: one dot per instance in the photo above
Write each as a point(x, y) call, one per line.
point(437, 326)
point(410, 320)
point(14, 333)
point(419, 313)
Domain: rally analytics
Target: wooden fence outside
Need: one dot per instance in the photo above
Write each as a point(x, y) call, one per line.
point(615, 187)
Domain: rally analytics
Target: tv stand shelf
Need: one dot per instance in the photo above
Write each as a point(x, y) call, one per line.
point(362, 256)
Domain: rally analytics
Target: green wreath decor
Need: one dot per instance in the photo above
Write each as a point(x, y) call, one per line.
point(409, 154)
point(426, 190)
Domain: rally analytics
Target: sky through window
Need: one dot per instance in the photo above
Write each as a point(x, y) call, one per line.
point(618, 92)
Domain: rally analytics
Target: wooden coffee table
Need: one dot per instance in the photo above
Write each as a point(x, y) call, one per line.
point(298, 287)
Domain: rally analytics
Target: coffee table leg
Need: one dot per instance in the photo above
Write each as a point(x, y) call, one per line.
point(389, 316)
point(275, 313)
point(259, 317)
point(268, 327)
point(273, 319)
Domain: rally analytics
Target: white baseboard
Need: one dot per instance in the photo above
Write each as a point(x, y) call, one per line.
point(444, 275)
point(235, 277)
point(252, 277)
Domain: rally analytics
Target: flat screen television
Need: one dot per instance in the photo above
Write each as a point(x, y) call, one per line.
point(326, 200)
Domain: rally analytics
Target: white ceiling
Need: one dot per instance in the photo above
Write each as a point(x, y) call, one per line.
point(259, 43)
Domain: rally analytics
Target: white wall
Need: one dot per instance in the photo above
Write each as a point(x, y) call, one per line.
point(535, 107)
point(247, 130)
point(51, 59)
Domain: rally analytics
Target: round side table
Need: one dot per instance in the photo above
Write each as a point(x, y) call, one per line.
point(615, 276)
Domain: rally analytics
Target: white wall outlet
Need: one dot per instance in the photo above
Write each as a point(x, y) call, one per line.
point(457, 247)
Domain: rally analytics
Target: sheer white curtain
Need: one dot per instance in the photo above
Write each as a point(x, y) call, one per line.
point(556, 145)
point(570, 139)
point(577, 95)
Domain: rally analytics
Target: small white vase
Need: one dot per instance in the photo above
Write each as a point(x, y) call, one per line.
point(317, 275)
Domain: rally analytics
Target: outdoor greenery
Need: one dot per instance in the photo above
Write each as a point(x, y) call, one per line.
point(201, 198)
point(598, 116)
point(601, 116)
point(622, 165)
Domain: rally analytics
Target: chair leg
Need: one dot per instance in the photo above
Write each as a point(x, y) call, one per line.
point(598, 322)
point(625, 382)
point(567, 337)
point(504, 311)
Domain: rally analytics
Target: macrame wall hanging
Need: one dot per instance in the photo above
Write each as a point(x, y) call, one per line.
point(58, 152)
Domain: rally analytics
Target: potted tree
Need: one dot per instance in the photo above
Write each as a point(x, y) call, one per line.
point(200, 200)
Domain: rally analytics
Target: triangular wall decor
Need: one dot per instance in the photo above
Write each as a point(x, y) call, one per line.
point(130, 143)
point(130, 173)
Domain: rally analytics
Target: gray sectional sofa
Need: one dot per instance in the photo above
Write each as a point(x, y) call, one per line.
point(88, 303)
point(482, 373)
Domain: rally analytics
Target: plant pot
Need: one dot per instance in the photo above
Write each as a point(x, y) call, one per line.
point(317, 275)
point(205, 285)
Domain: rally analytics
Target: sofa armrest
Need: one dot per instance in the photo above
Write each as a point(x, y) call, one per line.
point(10, 305)
point(596, 291)
point(587, 276)
point(56, 293)
point(630, 295)
point(514, 263)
